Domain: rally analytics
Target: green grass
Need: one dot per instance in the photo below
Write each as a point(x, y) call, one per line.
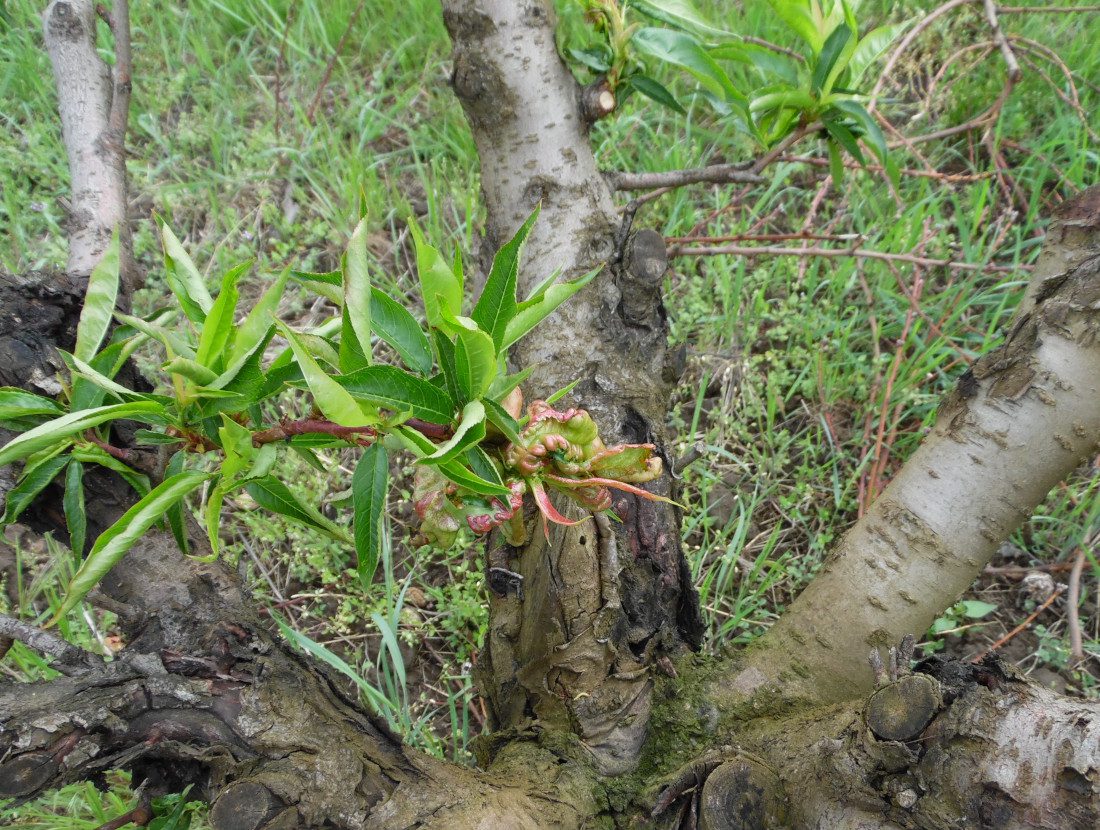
point(789, 359)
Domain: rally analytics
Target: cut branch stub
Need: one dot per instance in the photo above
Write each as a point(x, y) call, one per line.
point(742, 794)
point(901, 710)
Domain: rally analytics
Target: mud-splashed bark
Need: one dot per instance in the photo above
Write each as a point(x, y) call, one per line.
point(574, 651)
point(1024, 416)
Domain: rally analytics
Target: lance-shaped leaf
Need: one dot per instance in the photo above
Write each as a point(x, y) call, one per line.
point(73, 503)
point(392, 322)
point(53, 431)
point(92, 454)
point(99, 302)
point(116, 540)
point(171, 341)
point(369, 486)
point(174, 514)
point(357, 293)
point(253, 332)
point(190, 369)
point(683, 50)
point(394, 389)
point(454, 470)
point(469, 432)
point(475, 362)
point(33, 482)
point(440, 287)
point(500, 418)
point(832, 59)
point(217, 328)
point(682, 14)
point(184, 279)
point(534, 311)
point(497, 304)
point(271, 494)
point(16, 403)
point(332, 399)
point(445, 351)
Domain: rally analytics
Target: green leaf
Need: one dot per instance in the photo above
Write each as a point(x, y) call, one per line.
point(797, 16)
point(190, 369)
point(681, 14)
point(253, 332)
point(470, 431)
point(396, 326)
point(475, 362)
point(598, 60)
point(331, 398)
point(843, 136)
point(655, 91)
point(151, 437)
point(171, 341)
point(829, 57)
point(116, 540)
point(369, 485)
point(503, 384)
point(836, 163)
point(99, 302)
point(868, 127)
point(976, 609)
point(497, 304)
point(357, 293)
point(394, 389)
point(871, 47)
point(174, 514)
point(439, 286)
point(482, 466)
point(445, 352)
point(53, 431)
point(73, 502)
point(32, 482)
point(351, 355)
point(531, 315)
point(456, 472)
point(271, 494)
point(217, 328)
point(16, 403)
point(683, 50)
point(184, 279)
point(91, 454)
point(500, 418)
point(789, 98)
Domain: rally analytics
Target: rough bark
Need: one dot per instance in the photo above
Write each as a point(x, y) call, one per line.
point(573, 651)
point(93, 100)
point(1018, 422)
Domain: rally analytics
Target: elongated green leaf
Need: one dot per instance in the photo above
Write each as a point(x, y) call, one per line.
point(190, 369)
point(503, 384)
point(91, 454)
point(456, 472)
point(351, 355)
point(369, 486)
point(116, 540)
point(871, 47)
point(254, 330)
point(867, 126)
point(99, 302)
point(655, 91)
point(470, 431)
point(394, 389)
point(73, 502)
point(374, 695)
point(843, 136)
point(796, 14)
point(445, 352)
point(357, 293)
point(217, 328)
point(174, 514)
point(475, 362)
point(175, 344)
point(500, 418)
point(533, 314)
point(439, 286)
point(497, 304)
point(271, 494)
point(332, 399)
point(685, 51)
point(482, 466)
point(33, 482)
point(84, 370)
point(395, 325)
point(53, 431)
point(680, 13)
point(829, 59)
point(184, 279)
point(15, 403)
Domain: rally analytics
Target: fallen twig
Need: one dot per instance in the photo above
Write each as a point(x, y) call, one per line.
point(1013, 65)
point(977, 658)
point(860, 253)
point(1076, 649)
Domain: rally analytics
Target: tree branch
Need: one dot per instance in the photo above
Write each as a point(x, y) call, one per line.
point(739, 173)
point(69, 660)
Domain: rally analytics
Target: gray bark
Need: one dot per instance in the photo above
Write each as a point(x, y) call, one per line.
point(1021, 420)
point(93, 101)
